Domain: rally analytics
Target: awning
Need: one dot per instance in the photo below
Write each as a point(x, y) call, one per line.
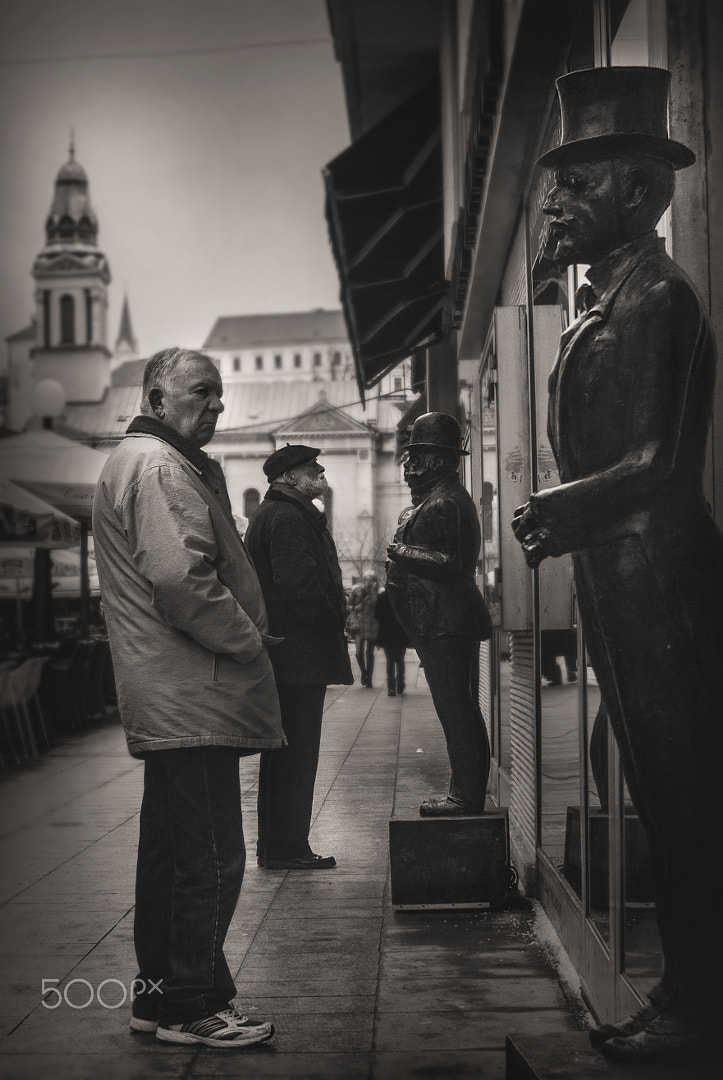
point(385, 215)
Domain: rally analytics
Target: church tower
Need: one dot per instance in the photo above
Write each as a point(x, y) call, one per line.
point(72, 277)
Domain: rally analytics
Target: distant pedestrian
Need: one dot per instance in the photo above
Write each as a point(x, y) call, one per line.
point(394, 641)
point(363, 603)
point(187, 628)
point(300, 577)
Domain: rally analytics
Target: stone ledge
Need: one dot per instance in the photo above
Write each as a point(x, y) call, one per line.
point(570, 1057)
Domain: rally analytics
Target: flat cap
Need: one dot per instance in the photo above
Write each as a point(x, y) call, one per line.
point(288, 457)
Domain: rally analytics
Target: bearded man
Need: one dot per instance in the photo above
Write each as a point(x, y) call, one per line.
point(432, 590)
point(298, 569)
point(629, 414)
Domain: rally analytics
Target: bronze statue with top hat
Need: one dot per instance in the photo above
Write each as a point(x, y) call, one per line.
point(629, 413)
point(432, 590)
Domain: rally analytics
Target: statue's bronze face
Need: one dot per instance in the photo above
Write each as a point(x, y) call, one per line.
point(419, 463)
point(587, 218)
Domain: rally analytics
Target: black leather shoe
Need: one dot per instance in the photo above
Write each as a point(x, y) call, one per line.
point(447, 806)
point(391, 693)
point(303, 862)
point(663, 1039)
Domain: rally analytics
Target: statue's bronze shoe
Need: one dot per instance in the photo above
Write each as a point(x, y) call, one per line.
point(662, 1039)
point(449, 806)
point(631, 1025)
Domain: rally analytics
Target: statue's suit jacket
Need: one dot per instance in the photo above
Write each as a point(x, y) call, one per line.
point(431, 583)
point(630, 402)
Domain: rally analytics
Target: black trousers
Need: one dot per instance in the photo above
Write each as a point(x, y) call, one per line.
point(394, 655)
point(191, 859)
point(287, 776)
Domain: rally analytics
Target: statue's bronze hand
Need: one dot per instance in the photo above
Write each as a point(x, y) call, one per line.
point(524, 521)
point(536, 547)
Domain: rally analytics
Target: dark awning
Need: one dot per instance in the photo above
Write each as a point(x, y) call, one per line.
point(384, 209)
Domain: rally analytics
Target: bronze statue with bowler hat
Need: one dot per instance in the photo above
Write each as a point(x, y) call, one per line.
point(432, 590)
point(629, 412)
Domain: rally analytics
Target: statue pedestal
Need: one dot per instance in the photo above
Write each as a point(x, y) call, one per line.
point(449, 862)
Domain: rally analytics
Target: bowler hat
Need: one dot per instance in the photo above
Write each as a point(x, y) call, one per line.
point(288, 457)
point(436, 431)
point(614, 112)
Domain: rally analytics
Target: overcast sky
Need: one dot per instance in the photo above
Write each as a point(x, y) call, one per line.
point(203, 144)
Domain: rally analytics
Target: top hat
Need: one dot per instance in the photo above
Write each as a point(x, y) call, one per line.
point(288, 457)
point(436, 431)
point(614, 112)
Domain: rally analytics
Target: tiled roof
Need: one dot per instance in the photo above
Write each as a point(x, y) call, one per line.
point(294, 328)
point(27, 334)
point(129, 374)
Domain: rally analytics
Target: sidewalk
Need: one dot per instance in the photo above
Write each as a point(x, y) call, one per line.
point(356, 990)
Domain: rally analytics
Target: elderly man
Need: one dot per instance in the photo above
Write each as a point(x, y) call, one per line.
point(298, 568)
point(432, 590)
point(629, 411)
point(188, 634)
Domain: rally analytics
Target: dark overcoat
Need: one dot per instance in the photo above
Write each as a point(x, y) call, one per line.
point(297, 565)
point(431, 579)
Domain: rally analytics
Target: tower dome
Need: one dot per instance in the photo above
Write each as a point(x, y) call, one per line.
point(71, 219)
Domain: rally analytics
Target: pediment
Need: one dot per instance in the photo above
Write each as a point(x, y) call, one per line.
point(322, 417)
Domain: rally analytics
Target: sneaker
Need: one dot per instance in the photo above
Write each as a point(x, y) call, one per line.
point(226, 1029)
point(145, 1027)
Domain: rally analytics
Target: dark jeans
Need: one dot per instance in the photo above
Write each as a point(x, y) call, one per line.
point(395, 667)
point(191, 859)
point(449, 665)
point(287, 776)
point(365, 658)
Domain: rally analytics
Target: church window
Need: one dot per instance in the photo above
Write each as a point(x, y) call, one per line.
point(88, 317)
point(251, 502)
point(317, 359)
point(85, 228)
point(259, 363)
point(278, 361)
point(237, 363)
point(67, 320)
point(336, 359)
point(46, 318)
point(66, 228)
point(297, 359)
point(397, 384)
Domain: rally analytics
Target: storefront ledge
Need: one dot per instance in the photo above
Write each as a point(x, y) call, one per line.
point(450, 862)
point(570, 1057)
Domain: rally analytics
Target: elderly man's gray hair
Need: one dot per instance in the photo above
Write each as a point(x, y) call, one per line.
point(161, 370)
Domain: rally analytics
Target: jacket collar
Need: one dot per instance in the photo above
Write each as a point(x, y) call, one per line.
point(149, 425)
point(608, 275)
point(277, 494)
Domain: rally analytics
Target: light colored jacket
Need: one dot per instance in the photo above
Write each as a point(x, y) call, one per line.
point(183, 605)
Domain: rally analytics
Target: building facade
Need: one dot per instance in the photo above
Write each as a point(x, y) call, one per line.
point(490, 68)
